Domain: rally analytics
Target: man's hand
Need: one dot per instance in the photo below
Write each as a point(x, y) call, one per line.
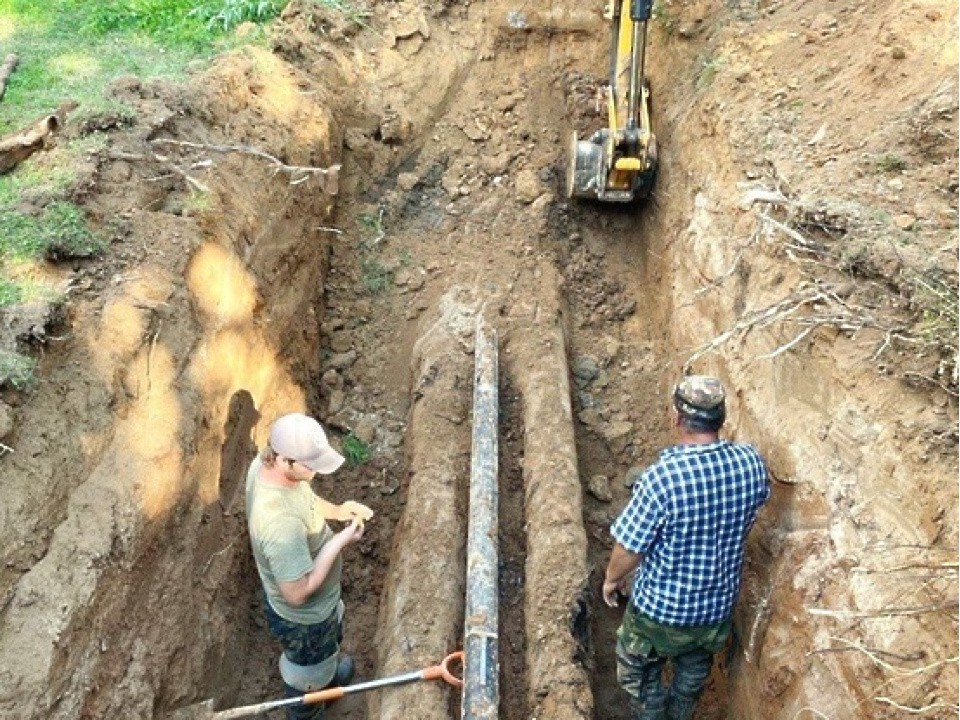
point(622, 563)
point(352, 532)
point(611, 589)
point(351, 510)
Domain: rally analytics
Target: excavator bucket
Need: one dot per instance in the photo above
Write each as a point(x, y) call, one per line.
point(618, 163)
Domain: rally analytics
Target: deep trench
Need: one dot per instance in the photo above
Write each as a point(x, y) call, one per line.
point(576, 237)
point(364, 582)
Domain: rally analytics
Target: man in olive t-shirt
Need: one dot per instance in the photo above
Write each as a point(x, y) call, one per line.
point(298, 555)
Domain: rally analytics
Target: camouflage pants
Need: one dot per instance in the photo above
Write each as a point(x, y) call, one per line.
point(305, 645)
point(643, 649)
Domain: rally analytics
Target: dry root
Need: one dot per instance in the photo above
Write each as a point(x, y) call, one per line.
point(297, 174)
point(914, 312)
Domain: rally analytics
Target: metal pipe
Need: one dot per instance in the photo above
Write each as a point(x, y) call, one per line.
point(638, 38)
point(481, 672)
point(643, 57)
point(614, 43)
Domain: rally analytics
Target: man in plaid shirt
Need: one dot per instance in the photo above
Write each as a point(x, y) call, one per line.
point(683, 531)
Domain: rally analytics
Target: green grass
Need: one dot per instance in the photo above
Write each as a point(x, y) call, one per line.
point(17, 371)
point(355, 450)
point(59, 232)
point(72, 50)
point(375, 276)
point(661, 13)
point(708, 70)
point(889, 163)
point(10, 292)
point(228, 14)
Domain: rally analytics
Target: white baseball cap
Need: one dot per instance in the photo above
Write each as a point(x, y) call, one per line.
point(299, 437)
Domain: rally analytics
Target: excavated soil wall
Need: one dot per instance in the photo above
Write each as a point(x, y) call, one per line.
point(847, 563)
point(125, 559)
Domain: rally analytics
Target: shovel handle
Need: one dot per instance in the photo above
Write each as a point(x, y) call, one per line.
point(434, 672)
point(442, 671)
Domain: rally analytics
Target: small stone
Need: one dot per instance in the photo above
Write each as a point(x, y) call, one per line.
point(331, 380)
point(6, 420)
point(947, 219)
point(528, 186)
point(898, 53)
point(589, 416)
point(341, 341)
point(633, 474)
point(407, 181)
point(494, 165)
point(599, 487)
point(584, 370)
point(895, 184)
point(342, 361)
point(366, 430)
point(905, 221)
point(617, 434)
point(611, 348)
point(337, 400)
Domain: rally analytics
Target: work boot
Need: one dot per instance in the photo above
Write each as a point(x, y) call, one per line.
point(344, 673)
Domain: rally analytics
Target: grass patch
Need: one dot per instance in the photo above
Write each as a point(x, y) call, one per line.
point(375, 276)
point(17, 371)
point(227, 14)
point(662, 14)
point(59, 232)
point(11, 292)
point(889, 163)
point(371, 229)
point(708, 70)
point(355, 450)
point(73, 50)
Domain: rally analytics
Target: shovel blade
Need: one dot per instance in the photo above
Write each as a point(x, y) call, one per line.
point(199, 711)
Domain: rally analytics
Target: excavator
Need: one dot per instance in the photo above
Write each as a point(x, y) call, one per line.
point(618, 163)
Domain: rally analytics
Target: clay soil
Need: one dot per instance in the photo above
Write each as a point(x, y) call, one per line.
point(801, 244)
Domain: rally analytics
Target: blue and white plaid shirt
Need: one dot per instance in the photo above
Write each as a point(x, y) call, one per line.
point(689, 517)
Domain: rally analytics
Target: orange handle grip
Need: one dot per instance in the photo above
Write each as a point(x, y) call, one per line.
point(323, 696)
point(442, 671)
point(449, 677)
point(434, 672)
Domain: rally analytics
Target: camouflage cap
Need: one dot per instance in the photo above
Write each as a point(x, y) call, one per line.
point(700, 396)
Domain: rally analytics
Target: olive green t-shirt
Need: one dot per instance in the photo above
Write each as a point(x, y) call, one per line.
point(287, 531)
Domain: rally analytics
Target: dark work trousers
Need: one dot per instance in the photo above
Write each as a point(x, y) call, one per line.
point(305, 645)
point(643, 649)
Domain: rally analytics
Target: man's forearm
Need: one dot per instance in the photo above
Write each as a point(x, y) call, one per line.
point(298, 592)
point(322, 564)
point(622, 563)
